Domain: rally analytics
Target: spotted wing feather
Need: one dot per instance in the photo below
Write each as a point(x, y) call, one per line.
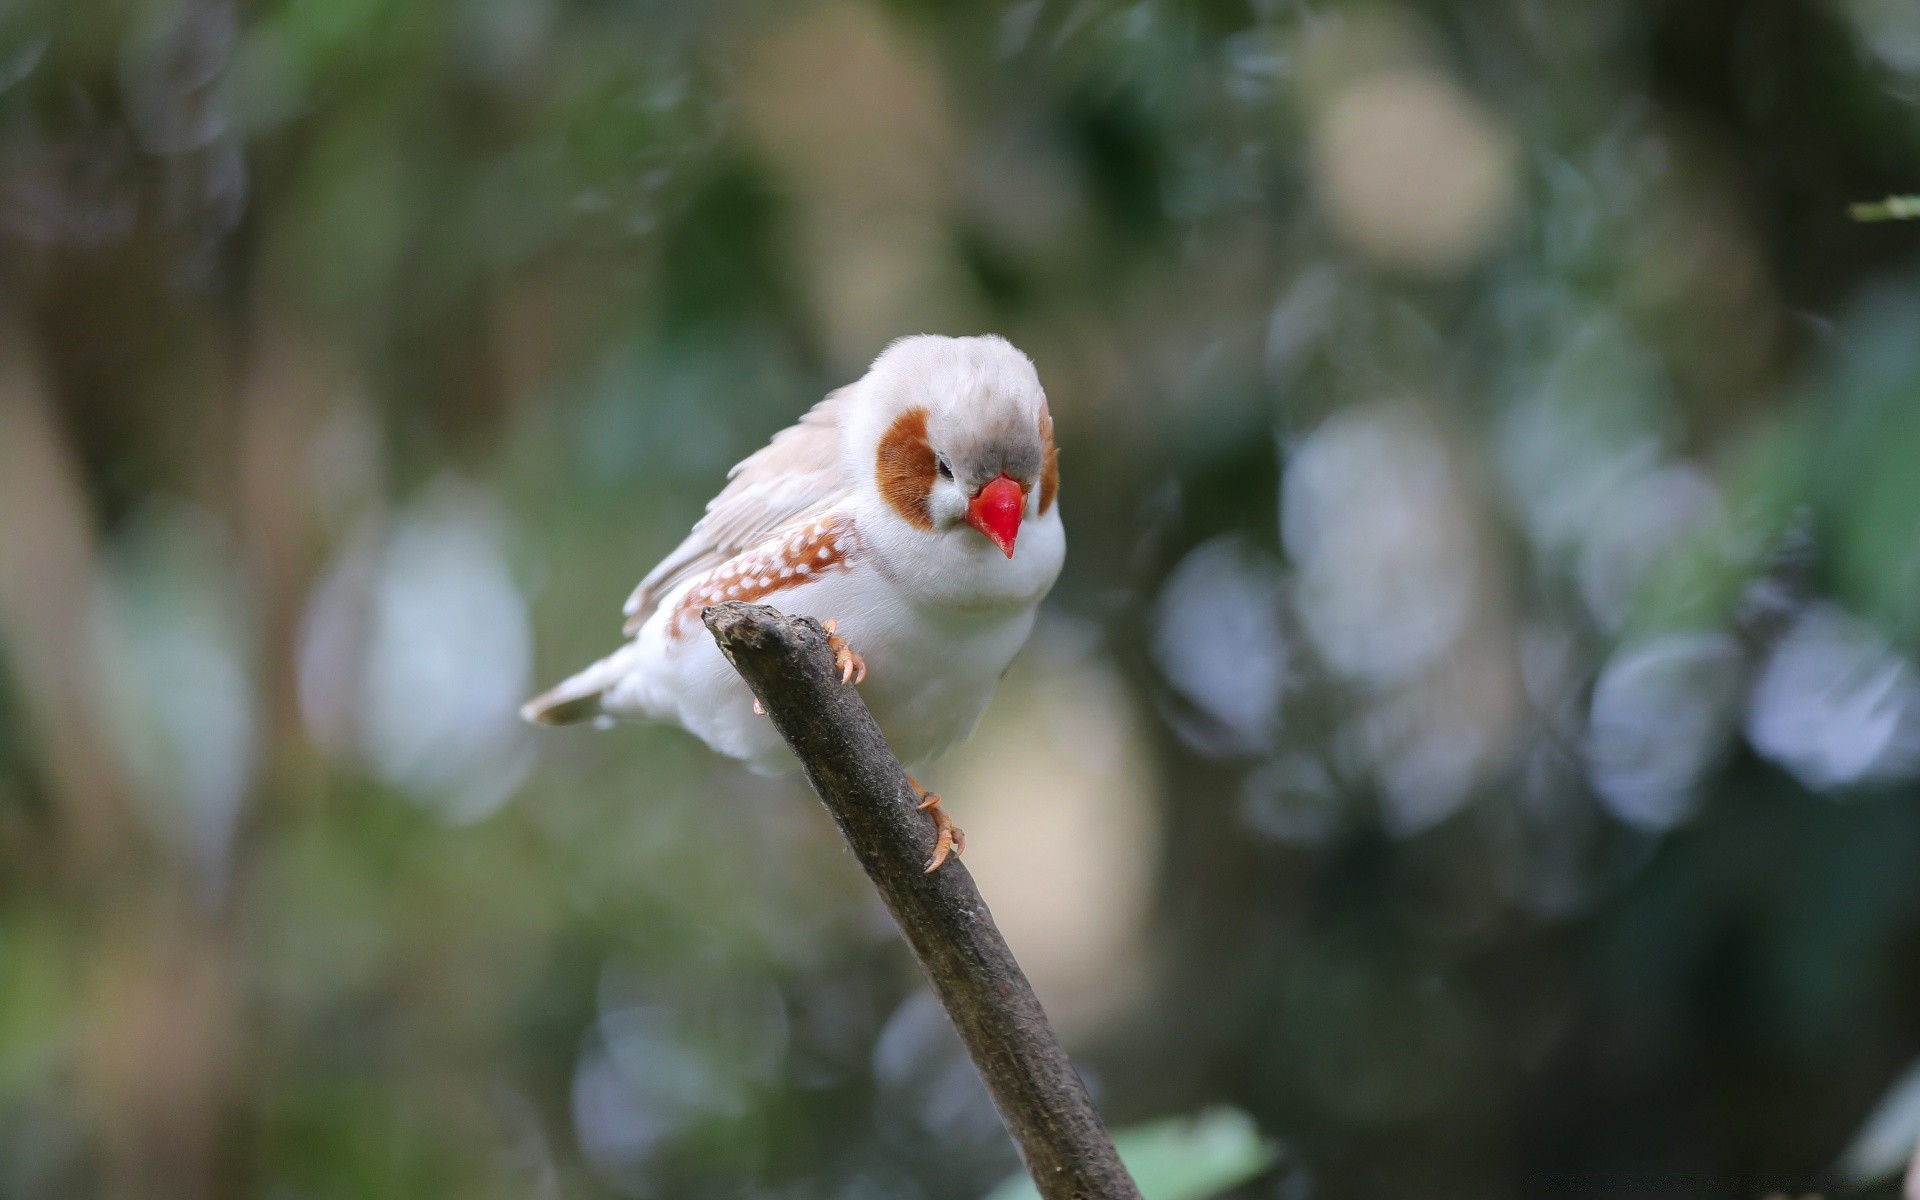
point(797, 475)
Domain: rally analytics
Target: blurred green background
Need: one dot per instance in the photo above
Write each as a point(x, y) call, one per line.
point(1476, 734)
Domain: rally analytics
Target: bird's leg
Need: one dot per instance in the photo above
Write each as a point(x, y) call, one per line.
point(853, 668)
point(950, 841)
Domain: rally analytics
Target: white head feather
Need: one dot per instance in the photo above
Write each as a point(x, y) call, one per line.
point(983, 402)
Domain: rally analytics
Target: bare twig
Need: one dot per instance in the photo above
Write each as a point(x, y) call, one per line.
point(787, 663)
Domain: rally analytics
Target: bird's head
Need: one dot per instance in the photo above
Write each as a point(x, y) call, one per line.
point(963, 442)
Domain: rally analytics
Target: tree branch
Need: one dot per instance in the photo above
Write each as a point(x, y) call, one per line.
point(787, 663)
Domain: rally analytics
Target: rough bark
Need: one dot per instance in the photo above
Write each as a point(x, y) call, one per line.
point(1041, 1099)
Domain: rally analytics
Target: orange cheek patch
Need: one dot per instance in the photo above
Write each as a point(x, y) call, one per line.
point(822, 546)
point(1049, 463)
point(904, 468)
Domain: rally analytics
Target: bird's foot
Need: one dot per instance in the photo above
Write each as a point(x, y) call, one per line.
point(949, 840)
point(853, 668)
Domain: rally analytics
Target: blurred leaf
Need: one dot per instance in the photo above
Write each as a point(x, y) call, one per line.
point(1181, 1158)
point(1883, 1146)
point(1893, 208)
point(37, 1005)
point(1866, 476)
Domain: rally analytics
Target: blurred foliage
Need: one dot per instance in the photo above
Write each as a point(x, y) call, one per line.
point(1179, 1159)
point(1476, 736)
point(1893, 208)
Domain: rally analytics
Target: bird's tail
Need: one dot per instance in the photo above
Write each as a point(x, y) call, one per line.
point(577, 698)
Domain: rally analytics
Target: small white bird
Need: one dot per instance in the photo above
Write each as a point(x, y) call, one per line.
point(912, 511)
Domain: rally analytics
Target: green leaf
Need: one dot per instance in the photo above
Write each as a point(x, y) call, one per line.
point(1893, 208)
point(1180, 1158)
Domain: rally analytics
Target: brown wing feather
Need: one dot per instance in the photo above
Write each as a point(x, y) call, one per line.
point(797, 475)
point(812, 549)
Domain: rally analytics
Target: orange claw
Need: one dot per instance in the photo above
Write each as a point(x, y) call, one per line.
point(853, 668)
point(949, 840)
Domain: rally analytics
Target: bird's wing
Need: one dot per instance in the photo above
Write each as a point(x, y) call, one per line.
point(795, 476)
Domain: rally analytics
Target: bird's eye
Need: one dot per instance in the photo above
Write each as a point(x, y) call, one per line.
point(945, 468)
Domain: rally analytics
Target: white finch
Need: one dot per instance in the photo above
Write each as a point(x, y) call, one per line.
point(912, 511)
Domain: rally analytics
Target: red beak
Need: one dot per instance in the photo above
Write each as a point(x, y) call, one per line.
point(995, 511)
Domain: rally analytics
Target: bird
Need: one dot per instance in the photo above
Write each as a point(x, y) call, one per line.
point(914, 512)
